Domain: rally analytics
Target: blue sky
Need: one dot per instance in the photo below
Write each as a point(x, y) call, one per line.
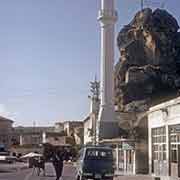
point(49, 52)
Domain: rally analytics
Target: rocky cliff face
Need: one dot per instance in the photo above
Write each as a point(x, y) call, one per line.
point(149, 65)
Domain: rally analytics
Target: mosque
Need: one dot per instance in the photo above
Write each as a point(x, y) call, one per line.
point(145, 134)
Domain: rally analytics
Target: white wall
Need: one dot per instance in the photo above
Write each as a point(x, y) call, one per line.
point(87, 126)
point(167, 113)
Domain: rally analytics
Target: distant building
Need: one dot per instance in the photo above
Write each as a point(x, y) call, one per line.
point(27, 139)
point(5, 132)
point(70, 125)
point(79, 135)
point(90, 134)
point(90, 122)
point(29, 135)
point(59, 127)
point(88, 127)
point(32, 129)
point(71, 129)
point(57, 139)
point(32, 139)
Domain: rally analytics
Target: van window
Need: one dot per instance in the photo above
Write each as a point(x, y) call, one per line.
point(102, 154)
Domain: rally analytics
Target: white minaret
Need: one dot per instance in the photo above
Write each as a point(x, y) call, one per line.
point(107, 125)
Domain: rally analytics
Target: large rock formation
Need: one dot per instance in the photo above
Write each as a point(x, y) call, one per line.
point(149, 66)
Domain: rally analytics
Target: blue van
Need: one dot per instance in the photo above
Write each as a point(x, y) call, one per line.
point(95, 162)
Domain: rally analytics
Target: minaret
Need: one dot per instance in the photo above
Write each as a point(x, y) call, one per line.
point(107, 125)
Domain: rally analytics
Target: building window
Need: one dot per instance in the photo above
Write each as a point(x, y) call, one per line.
point(159, 143)
point(174, 142)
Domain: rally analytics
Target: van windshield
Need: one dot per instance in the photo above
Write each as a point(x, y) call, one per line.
point(100, 154)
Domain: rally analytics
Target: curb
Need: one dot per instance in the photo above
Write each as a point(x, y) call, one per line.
point(144, 177)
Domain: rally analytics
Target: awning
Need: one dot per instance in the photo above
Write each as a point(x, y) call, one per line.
point(115, 141)
point(31, 154)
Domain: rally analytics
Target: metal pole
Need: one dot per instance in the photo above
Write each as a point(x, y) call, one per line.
point(142, 4)
point(95, 108)
point(117, 157)
point(95, 142)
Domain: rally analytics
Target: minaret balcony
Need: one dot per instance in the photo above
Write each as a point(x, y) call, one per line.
point(109, 16)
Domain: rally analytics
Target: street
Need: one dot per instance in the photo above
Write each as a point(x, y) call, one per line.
point(26, 174)
point(68, 174)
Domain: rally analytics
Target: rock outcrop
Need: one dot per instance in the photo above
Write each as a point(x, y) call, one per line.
point(150, 59)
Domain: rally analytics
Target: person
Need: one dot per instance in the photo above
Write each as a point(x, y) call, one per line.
point(57, 161)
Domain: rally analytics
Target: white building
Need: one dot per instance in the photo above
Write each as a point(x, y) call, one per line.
point(58, 127)
point(88, 130)
point(164, 138)
point(5, 133)
point(70, 125)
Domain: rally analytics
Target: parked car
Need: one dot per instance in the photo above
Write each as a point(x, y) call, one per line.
point(7, 159)
point(95, 162)
point(11, 159)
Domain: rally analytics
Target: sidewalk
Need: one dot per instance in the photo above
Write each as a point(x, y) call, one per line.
point(13, 167)
point(143, 177)
point(133, 177)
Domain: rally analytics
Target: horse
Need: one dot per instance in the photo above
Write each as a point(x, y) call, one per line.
point(38, 164)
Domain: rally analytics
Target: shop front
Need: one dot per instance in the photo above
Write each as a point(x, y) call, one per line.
point(159, 151)
point(128, 157)
point(161, 164)
point(124, 154)
point(174, 132)
point(164, 139)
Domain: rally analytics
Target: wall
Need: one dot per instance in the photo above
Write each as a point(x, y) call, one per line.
point(87, 129)
point(5, 132)
point(59, 127)
point(30, 139)
point(142, 147)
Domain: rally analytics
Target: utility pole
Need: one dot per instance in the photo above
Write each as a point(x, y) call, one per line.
point(95, 101)
point(142, 4)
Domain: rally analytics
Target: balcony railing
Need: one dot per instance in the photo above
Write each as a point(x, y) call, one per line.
point(107, 14)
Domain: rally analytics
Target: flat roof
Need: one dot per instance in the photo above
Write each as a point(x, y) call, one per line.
point(165, 104)
point(5, 119)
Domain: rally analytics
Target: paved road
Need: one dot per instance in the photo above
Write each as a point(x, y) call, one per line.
point(19, 175)
point(68, 174)
point(5, 167)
